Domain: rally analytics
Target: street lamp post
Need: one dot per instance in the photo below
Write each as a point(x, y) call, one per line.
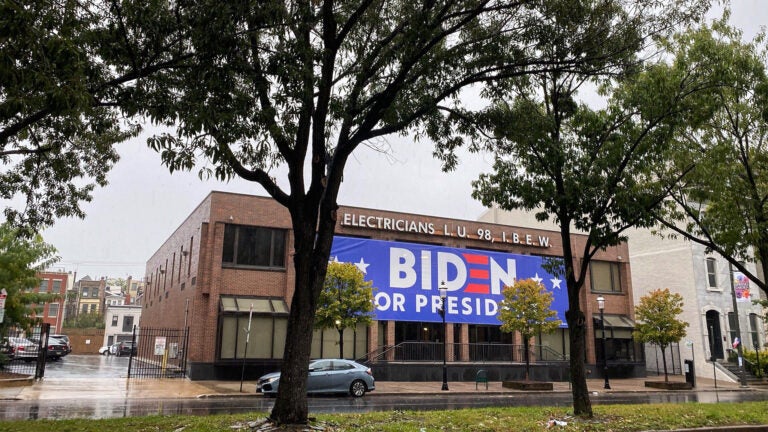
point(341, 338)
point(443, 294)
point(601, 306)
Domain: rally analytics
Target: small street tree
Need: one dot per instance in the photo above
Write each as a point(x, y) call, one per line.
point(20, 260)
point(657, 321)
point(526, 308)
point(345, 301)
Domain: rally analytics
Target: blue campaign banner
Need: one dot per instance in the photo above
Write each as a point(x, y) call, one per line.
point(406, 278)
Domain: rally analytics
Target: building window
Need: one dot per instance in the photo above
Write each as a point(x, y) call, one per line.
point(93, 308)
point(43, 285)
point(270, 317)
point(254, 247)
point(732, 327)
point(53, 310)
point(604, 276)
point(620, 345)
point(128, 323)
point(85, 308)
point(114, 320)
point(57, 286)
point(712, 272)
point(85, 292)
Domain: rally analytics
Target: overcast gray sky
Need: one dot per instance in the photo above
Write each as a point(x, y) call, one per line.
point(143, 204)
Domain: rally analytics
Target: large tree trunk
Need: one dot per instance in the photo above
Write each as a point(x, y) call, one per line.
point(574, 316)
point(291, 403)
point(312, 248)
point(582, 406)
point(527, 358)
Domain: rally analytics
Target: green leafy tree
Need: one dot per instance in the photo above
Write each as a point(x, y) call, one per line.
point(301, 85)
point(58, 118)
point(592, 171)
point(526, 308)
point(657, 321)
point(86, 320)
point(723, 202)
point(20, 260)
point(346, 300)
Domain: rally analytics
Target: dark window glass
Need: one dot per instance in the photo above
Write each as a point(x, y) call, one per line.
point(254, 246)
point(604, 276)
point(128, 323)
point(712, 272)
point(229, 244)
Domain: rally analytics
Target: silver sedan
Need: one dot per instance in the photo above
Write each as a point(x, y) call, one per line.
point(327, 376)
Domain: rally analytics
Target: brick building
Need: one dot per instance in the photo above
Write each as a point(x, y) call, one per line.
point(233, 254)
point(55, 283)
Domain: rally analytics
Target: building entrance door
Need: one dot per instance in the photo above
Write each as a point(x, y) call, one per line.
point(715, 335)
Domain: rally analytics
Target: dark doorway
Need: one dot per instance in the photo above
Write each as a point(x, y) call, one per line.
point(715, 335)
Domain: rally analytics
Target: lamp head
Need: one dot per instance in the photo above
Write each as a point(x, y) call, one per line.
point(443, 290)
point(601, 302)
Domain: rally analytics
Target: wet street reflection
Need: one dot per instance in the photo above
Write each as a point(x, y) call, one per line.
point(110, 408)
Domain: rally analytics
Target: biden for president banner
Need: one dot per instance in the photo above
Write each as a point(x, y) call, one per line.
point(406, 278)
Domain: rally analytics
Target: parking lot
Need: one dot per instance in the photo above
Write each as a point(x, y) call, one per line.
point(84, 366)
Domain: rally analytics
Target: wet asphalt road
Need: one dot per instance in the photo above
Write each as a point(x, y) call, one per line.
point(104, 367)
point(110, 408)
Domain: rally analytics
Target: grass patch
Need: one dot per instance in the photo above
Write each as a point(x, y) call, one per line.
point(615, 418)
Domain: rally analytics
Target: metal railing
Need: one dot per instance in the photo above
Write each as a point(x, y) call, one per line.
point(458, 352)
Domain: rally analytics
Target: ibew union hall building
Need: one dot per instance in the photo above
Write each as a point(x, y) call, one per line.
point(231, 259)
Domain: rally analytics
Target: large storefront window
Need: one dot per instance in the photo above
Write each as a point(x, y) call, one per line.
point(325, 343)
point(619, 344)
point(269, 325)
point(253, 247)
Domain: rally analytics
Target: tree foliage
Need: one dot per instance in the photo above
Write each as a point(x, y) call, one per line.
point(657, 321)
point(20, 260)
point(526, 308)
point(594, 171)
point(302, 84)
point(59, 124)
point(346, 297)
point(723, 202)
point(85, 320)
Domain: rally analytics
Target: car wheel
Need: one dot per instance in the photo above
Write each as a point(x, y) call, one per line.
point(357, 388)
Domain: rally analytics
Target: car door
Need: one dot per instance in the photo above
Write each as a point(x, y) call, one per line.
point(319, 376)
point(341, 377)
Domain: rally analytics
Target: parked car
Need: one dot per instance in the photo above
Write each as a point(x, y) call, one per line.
point(327, 376)
point(57, 348)
point(64, 338)
point(23, 349)
point(105, 350)
point(6, 348)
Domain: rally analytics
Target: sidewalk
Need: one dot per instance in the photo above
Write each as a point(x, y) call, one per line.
point(111, 388)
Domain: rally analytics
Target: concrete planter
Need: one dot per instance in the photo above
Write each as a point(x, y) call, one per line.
point(671, 385)
point(15, 380)
point(528, 385)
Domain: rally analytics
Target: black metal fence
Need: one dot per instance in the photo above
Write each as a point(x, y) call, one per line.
point(457, 352)
point(158, 353)
point(23, 352)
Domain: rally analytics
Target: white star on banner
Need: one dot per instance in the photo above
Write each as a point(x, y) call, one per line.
point(537, 278)
point(362, 266)
point(556, 283)
point(334, 259)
